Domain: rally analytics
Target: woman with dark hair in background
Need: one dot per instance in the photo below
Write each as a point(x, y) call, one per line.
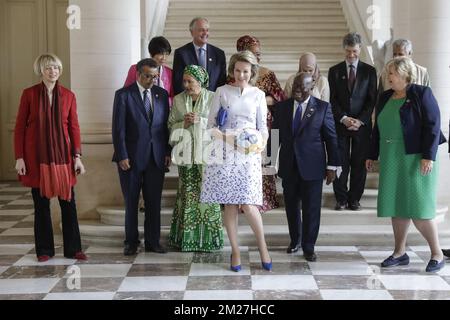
point(159, 49)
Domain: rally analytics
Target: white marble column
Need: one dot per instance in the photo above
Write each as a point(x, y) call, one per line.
point(101, 52)
point(427, 25)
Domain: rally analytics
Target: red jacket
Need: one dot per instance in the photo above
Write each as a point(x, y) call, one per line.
point(26, 132)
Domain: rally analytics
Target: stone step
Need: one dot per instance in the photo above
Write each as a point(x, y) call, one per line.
point(294, 26)
point(293, 34)
point(115, 216)
point(250, 6)
point(333, 46)
point(237, 21)
point(95, 233)
point(292, 64)
point(269, 15)
point(211, 13)
point(328, 200)
point(281, 2)
point(372, 177)
point(260, 27)
point(330, 53)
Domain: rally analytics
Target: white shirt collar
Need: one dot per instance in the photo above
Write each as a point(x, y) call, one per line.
point(142, 89)
point(355, 64)
point(304, 104)
point(197, 47)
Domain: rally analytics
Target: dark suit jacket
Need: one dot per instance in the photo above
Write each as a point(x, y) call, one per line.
point(134, 136)
point(215, 60)
point(314, 141)
point(420, 119)
point(360, 102)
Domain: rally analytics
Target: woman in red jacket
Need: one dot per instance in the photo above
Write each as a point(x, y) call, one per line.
point(48, 156)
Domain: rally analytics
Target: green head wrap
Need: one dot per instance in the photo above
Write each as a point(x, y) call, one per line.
point(199, 73)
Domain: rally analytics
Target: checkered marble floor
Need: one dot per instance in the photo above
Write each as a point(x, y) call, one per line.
point(348, 272)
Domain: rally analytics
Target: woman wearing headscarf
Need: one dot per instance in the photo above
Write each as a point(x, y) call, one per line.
point(266, 81)
point(47, 148)
point(308, 64)
point(195, 226)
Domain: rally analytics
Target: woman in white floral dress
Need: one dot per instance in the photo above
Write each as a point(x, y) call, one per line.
point(233, 174)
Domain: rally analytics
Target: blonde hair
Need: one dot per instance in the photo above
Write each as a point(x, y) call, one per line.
point(45, 60)
point(244, 56)
point(405, 67)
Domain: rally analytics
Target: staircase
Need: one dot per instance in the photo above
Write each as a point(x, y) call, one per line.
point(337, 227)
point(286, 28)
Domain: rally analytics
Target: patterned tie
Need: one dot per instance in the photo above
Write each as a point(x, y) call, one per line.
point(351, 78)
point(148, 105)
point(202, 57)
point(297, 119)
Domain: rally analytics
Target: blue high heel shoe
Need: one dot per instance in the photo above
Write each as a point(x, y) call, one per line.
point(234, 268)
point(267, 265)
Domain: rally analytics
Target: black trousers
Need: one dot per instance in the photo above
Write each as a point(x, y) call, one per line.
point(43, 230)
point(353, 153)
point(151, 182)
point(303, 201)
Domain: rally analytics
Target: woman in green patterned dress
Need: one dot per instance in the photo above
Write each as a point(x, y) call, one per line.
point(406, 137)
point(195, 226)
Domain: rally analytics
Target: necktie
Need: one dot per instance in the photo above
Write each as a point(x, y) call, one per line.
point(297, 119)
point(148, 105)
point(202, 57)
point(351, 77)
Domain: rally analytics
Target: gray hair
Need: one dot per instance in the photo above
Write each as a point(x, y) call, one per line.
point(244, 56)
point(351, 40)
point(193, 21)
point(403, 43)
point(45, 60)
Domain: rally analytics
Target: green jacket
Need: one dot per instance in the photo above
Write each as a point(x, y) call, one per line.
point(187, 143)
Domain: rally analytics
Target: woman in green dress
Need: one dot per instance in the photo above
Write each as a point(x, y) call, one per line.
point(406, 137)
point(195, 226)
